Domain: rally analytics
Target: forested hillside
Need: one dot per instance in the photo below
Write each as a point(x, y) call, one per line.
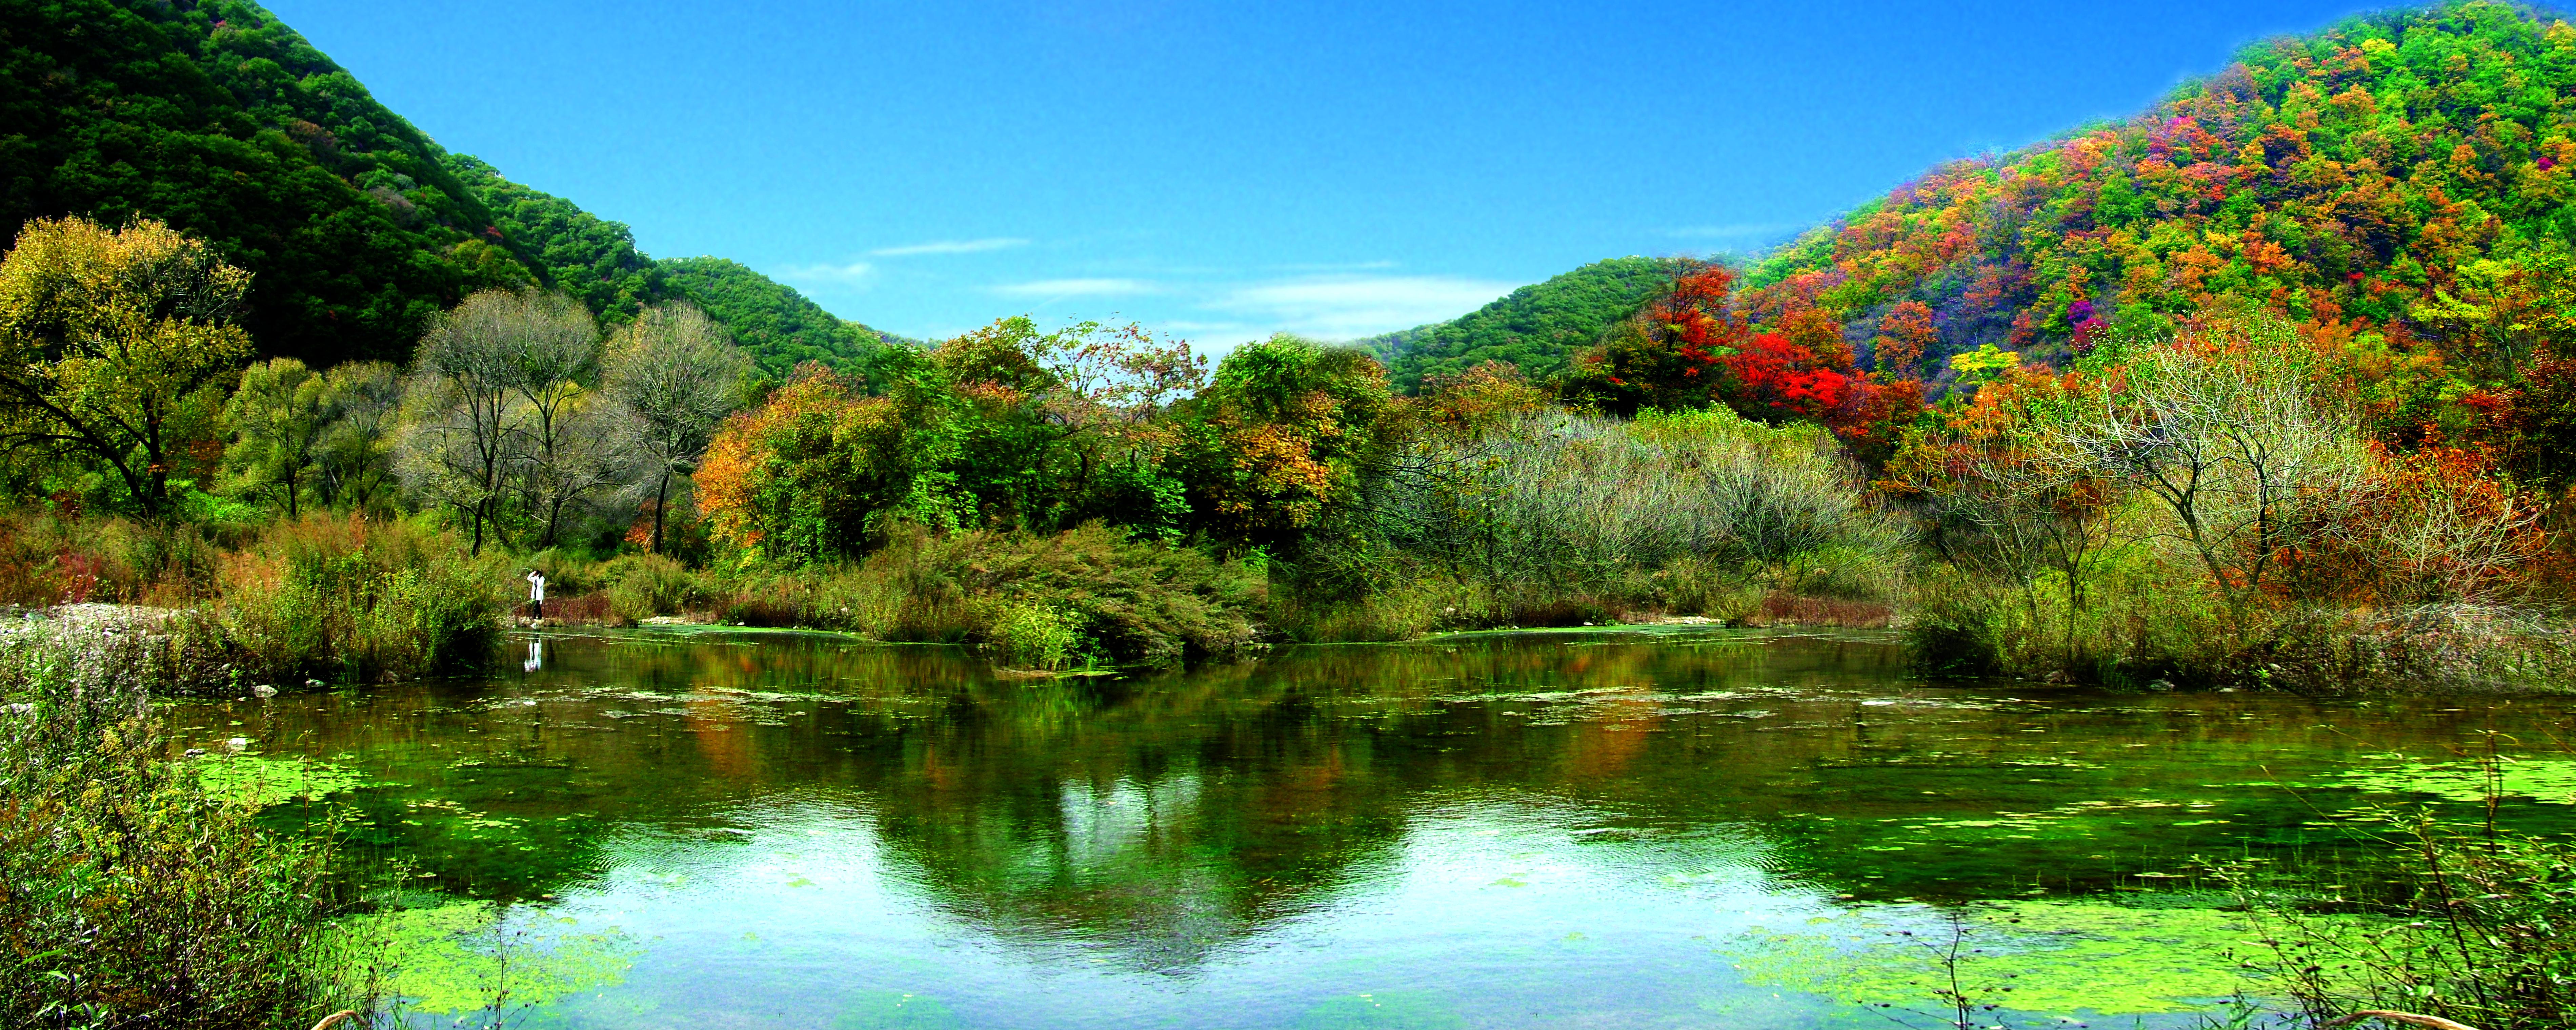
point(221, 121)
point(226, 124)
point(777, 326)
point(1536, 328)
point(2400, 178)
point(595, 260)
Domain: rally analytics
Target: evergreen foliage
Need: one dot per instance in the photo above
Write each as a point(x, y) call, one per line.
point(223, 123)
point(1536, 328)
point(777, 326)
point(579, 253)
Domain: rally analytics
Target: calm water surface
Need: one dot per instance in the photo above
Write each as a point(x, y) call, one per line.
point(1676, 829)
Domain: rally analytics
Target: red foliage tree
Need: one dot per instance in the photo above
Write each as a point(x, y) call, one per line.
point(1692, 348)
point(1905, 334)
point(1671, 355)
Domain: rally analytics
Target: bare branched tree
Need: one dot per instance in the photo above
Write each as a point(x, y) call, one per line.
point(587, 450)
point(489, 382)
point(2226, 428)
point(362, 405)
point(678, 374)
point(552, 370)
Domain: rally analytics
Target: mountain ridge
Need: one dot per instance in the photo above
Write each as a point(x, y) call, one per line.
point(217, 118)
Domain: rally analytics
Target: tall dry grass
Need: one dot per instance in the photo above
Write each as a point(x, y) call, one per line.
point(1554, 518)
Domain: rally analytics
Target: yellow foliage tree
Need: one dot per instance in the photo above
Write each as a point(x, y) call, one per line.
point(115, 348)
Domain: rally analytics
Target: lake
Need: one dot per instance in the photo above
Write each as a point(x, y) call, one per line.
point(1668, 828)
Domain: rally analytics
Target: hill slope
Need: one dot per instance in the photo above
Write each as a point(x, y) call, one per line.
point(217, 118)
point(778, 326)
point(226, 124)
point(1536, 327)
point(2349, 178)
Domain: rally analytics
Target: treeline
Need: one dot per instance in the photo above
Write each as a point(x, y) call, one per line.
point(1093, 489)
point(130, 388)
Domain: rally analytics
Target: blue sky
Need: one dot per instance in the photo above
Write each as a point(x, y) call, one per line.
point(1222, 171)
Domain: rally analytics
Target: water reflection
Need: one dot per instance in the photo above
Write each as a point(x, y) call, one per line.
point(1500, 831)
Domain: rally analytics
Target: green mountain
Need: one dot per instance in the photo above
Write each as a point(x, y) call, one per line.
point(1536, 327)
point(217, 118)
point(2398, 180)
point(596, 260)
point(778, 326)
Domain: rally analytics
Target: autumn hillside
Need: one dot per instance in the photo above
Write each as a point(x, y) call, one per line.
point(2401, 179)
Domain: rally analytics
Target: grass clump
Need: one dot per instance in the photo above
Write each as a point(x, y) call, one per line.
point(1033, 635)
point(1552, 518)
point(644, 586)
point(1092, 593)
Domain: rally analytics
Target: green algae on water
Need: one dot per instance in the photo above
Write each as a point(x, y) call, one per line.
point(263, 782)
point(2549, 781)
point(2056, 957)
point(463, 957)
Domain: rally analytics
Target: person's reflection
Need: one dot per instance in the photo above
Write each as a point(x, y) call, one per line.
point(536, 656)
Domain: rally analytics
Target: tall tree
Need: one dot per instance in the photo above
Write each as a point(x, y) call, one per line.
point(361, 402)
point(552, 369)
point(468, 412)
point(277, 417)
point(114, 345)
point(680, 374)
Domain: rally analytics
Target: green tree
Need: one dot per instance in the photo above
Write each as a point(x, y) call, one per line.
point(1280, 437)
point(114, 346)
point(362, 404)
point(278, 417)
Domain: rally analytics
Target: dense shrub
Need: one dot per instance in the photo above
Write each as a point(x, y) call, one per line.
point(1120, 599)
point(1548, 518)
point(47, 557)
point(129, 896)
point(641, 586)
point(341, 597)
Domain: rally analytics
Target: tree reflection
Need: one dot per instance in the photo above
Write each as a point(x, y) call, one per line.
point(1161, 819)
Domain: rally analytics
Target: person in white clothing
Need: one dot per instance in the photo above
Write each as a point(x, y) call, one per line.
point(537, 593)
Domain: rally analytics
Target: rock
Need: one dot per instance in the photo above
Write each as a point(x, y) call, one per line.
point(263, 691)
point(237, 743)
point(313, 683)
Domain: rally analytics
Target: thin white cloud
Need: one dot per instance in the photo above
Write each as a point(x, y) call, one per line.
point(1058, 289)
point(1730, 232)
point(951, 247)
point(1342, 307)
point(847, 275)
point(1355, 266)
